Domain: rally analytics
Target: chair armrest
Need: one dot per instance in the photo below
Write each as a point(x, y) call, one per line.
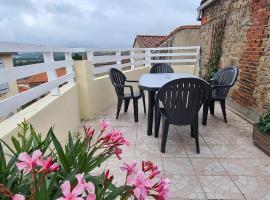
point(132, 81)
point(127, 86)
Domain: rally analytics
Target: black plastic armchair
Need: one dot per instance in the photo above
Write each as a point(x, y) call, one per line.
point(119, 81)
point(221, 84)
point(182, 100)
point(161, 68)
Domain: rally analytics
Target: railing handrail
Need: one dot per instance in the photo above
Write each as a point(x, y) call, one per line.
point(147, 55)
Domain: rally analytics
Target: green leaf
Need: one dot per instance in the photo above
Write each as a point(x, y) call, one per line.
point(117, 192)
point(16, 144)
point(6, 145)
point(61, 154)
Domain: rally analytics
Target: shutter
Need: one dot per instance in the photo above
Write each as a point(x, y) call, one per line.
point(3, 86)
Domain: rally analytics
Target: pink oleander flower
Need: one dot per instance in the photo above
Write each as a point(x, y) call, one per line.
point(47, 166)
point(28, 163)
point(114, 138)
point(73, 194)
point(108, 177)
point(89, 187)
point(148, 166)
point(154, 173)
point(18, 197)
point(103, 124)
point(130, 168)
point(117, 151)
point(162, 189)
point(140, 184)
point(89, 132)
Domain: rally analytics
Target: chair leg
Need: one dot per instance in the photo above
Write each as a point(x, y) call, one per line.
point(126, 104)
point(196, 134)
point(205, 113)
point(135, 105)
point(144, 105)
point(119, 105)
point(165, 129)
point(192, 131)
point(157, 122)
point(223, 108)
point(212, 107)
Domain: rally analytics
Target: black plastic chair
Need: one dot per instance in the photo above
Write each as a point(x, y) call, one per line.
point(182, 100)
point(220, 84)
point(119, 80)
point(160, 68)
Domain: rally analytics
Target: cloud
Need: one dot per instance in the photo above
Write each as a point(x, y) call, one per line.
point(91, 23)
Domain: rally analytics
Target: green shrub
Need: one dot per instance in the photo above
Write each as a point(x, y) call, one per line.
point(264, 123)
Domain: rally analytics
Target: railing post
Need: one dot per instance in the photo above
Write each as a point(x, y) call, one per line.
point(68, 56)
point(118, 59)
point(132, 60)
point(148, 56)
point(198, 60)
point(48, 58)
point(90, 55)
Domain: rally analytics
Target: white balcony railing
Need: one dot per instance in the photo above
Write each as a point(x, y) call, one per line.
point(101, 61)
point(49, 66)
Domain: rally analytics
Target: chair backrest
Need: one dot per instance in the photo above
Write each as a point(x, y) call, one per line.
point(183, 98)
point(227, 77)
point(160, 68)
point(117, 78)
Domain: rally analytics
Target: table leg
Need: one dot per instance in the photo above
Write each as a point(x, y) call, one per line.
point(151, 101)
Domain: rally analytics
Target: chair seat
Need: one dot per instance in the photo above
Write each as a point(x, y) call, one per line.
point(137, 95)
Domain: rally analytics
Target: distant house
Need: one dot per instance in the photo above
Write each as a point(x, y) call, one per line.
point(181, 36)
point(148, 41)
point(35, 80)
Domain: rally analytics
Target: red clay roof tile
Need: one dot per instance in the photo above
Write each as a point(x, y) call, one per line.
point(149, 41)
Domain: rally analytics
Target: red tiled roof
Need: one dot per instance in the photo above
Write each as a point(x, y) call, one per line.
point(22, 88)
point(41, 78)
point(148, 41)
point(180, 28)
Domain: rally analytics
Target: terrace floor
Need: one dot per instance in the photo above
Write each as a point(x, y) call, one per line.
point(228, 167)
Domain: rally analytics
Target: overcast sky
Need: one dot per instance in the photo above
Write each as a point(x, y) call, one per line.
point(91, 23)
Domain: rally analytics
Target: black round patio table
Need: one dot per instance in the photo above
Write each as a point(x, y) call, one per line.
point(152, 83)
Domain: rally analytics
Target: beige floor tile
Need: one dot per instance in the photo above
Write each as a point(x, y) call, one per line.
point(238, 139)
point(250, 151)
point(207, 166)
point(185, 187)
point(220, 187)
point(177, 166)
point(238, 167)
point(225, 151)
point(262, 165)
point(215, 139)
point(174, 151)
point(253, 187)
point(205, 151)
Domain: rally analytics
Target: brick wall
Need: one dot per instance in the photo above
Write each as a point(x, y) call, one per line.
point(246, 44)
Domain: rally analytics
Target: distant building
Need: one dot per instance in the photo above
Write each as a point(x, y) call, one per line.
point(148, 41)
point(181, 36)
point(35, 80)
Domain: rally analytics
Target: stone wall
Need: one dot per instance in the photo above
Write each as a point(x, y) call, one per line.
point(245, 44)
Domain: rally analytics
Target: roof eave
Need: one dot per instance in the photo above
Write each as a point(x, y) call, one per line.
point(203, 6)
